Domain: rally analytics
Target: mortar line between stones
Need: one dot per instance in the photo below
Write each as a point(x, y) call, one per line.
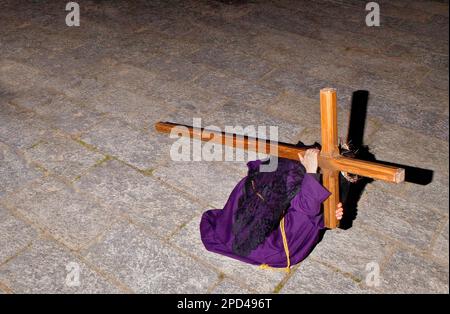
point(77, 254)
point(267, 75)
point(403, 246)
point(272, 64)
point(44, 230)
point(209, 94)
point(402, 196)
point(436, 235)
point(210, 266)
point(28, 184)
point(110, 278)
point(101, 235)
point(168, 244)
point(229, 73)
point(181, 251)
point(103, 115)
point(336, 269)
point(388, 256)
point(70, 185)
point(126, 219)
point(393, 246)
point(197, 200)
point(219, 280)
point(5, 288)
point(16, 254)
point(180, 227)
point(286, 278)
point(50, 124)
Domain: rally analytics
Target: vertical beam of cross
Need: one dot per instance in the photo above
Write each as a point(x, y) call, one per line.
point(330, 149)
point(330, 161)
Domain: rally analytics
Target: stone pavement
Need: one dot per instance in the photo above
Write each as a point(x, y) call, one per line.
point(87, 185)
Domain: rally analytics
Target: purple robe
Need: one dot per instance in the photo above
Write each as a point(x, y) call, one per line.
point(303, 222)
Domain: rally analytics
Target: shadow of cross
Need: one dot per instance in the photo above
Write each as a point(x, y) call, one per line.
point(330, 160)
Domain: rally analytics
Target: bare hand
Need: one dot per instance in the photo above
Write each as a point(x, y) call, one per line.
point(339, 211)
point(310, 160)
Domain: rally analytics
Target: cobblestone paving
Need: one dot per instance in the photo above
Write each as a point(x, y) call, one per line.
point(86, 181)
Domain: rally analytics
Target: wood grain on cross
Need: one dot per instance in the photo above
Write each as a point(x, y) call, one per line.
point(330, 160)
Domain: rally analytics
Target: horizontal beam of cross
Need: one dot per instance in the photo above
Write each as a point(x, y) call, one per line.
point(360, 167)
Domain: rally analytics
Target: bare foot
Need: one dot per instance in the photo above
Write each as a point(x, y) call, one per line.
point(339, 211)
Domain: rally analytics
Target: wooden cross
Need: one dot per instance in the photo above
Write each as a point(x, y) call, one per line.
point(330, 160)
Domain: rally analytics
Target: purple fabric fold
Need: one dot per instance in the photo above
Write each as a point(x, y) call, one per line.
point(303, 222)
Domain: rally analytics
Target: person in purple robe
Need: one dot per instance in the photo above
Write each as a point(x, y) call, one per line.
point(272, 219)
